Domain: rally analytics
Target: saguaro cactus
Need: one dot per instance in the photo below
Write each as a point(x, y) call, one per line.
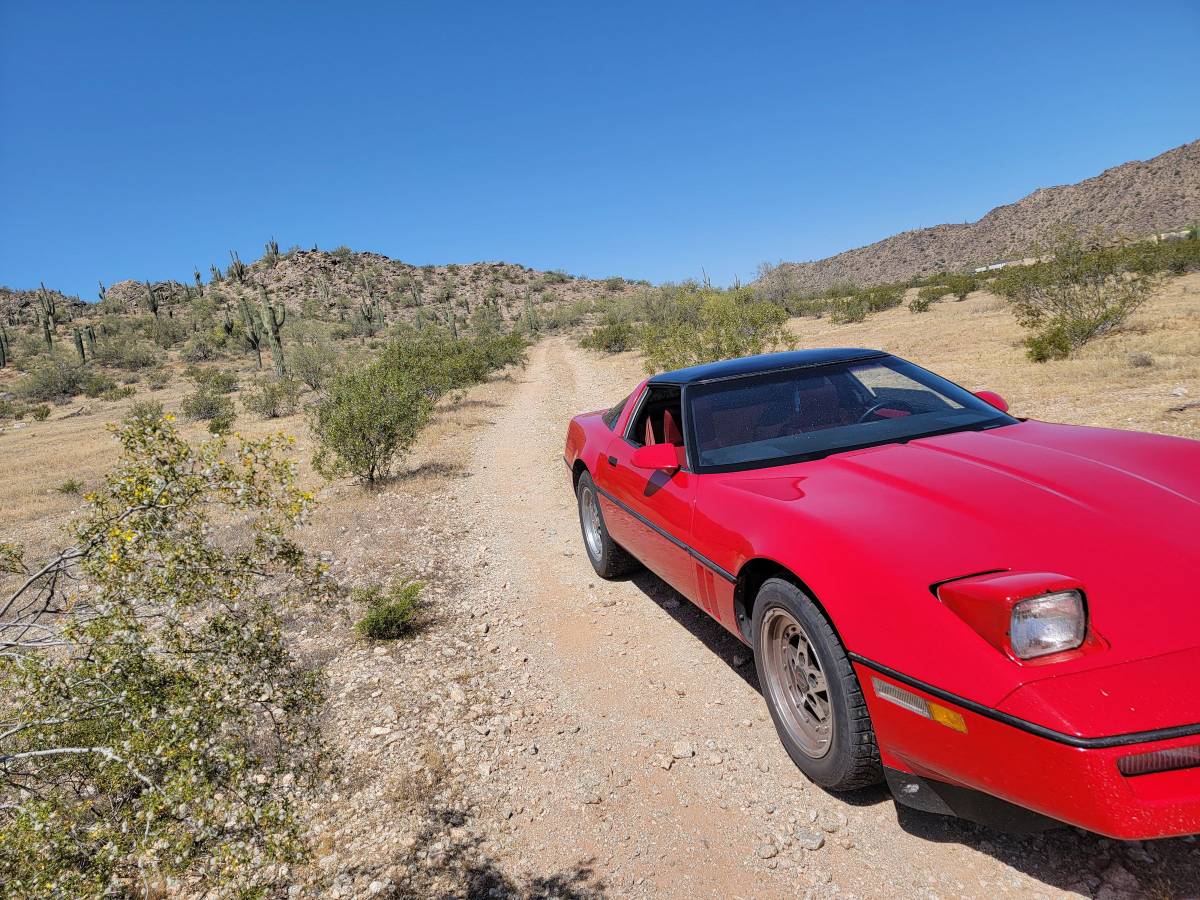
point(5, 353)
point(49, 307)
point(103, 292)
point(253, 328)
point(199, 281)
point(273, 318)
point(90, 334)
point(47, 333)
point(237, 268)
point(152, 299)
point(78, 336)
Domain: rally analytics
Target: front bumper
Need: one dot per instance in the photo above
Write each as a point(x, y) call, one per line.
point(1077, 785)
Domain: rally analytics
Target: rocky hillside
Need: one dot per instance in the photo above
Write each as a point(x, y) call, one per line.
point(1128, 201)
point(19, 305)
point(336, 284)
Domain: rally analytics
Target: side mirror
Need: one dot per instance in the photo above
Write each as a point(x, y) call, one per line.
point(658, 456)
point(994, 399)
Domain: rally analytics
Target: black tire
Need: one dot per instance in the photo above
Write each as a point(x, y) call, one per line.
point(608, 558)
point(849, 757)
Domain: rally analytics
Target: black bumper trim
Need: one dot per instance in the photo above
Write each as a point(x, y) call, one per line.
point(1071, 740)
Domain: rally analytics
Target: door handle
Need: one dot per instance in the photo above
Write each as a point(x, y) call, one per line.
point(612, 460)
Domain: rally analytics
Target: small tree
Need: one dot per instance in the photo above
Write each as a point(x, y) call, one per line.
point(368, 418)
point(1073, 298)
point(152, 719)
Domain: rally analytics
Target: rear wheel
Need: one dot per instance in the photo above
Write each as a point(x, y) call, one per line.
point(607, 557)
point(811, 690)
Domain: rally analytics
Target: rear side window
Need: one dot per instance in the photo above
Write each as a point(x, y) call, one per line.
point(610, 417)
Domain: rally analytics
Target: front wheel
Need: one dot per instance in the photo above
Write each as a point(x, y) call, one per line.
point(811, 690)
point(607, 557)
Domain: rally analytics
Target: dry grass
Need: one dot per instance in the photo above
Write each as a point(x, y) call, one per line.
point(978, 344)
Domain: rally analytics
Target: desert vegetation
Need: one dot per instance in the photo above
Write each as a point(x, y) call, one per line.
point(1071, 294)
point(153, 721)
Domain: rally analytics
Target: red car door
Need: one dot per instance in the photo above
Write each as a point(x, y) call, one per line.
point(649, 512)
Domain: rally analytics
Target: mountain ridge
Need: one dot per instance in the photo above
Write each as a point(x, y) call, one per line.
point(1124, 202)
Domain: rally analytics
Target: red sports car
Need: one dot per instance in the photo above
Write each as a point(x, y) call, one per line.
point(998, 616)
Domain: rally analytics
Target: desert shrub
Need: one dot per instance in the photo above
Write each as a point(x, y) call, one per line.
point(1141, 360)
point(615, 284)
point(610, 337)
point(70, 486)
point(145, 411)
point(153, 721)
point(52, 379)
point(369, 417)
point(708, 325)
point(960, 284)
point(273, 397)
point(881, 297)
point(211, 406)
point(311, 363)
point(391, 612)
point(199, 348)
point(39, 413)
point(169, 331)
point(123, 353)
point(117, 392)
point(927, 296)
point(158, 379)
point(216, 380)
point(93, 384)
point(847, 310)
point(1071, 299)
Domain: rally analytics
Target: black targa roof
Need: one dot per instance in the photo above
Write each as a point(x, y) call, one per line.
point(766, 362)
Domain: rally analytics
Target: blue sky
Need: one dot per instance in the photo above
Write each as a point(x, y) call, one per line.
point(643, 139)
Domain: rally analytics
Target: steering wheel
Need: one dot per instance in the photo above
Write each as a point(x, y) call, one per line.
point(884, 404)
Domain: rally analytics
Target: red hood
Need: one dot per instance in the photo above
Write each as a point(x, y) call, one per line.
point(1120, 511)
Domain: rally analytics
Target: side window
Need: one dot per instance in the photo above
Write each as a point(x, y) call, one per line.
point(659, 419)
point(610, 417)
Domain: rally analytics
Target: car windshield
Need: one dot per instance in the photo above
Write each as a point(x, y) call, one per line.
point(795, 414)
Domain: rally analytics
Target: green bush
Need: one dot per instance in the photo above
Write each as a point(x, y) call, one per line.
point(311, 363)
point(70, 486)
point(390, 613)
point(39, 413)
point(610, 337)
point(123, 353)
point(94, 384)
point(927, 296)
point(145, 411)
point(206, 404)
point(368, 418)
point(961, 284)
point(52, 379)
point(216, 380)
point(273, 397)
point(159, 727)
point(199, 348)
point(847, 310)
point(1072, 298)
point(706, 325)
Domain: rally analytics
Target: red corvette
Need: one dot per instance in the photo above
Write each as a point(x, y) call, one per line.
point(998, 616)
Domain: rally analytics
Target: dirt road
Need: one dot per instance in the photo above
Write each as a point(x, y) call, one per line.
point(649, 758)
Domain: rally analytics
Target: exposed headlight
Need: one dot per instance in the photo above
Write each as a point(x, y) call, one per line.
point(1047, 624)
